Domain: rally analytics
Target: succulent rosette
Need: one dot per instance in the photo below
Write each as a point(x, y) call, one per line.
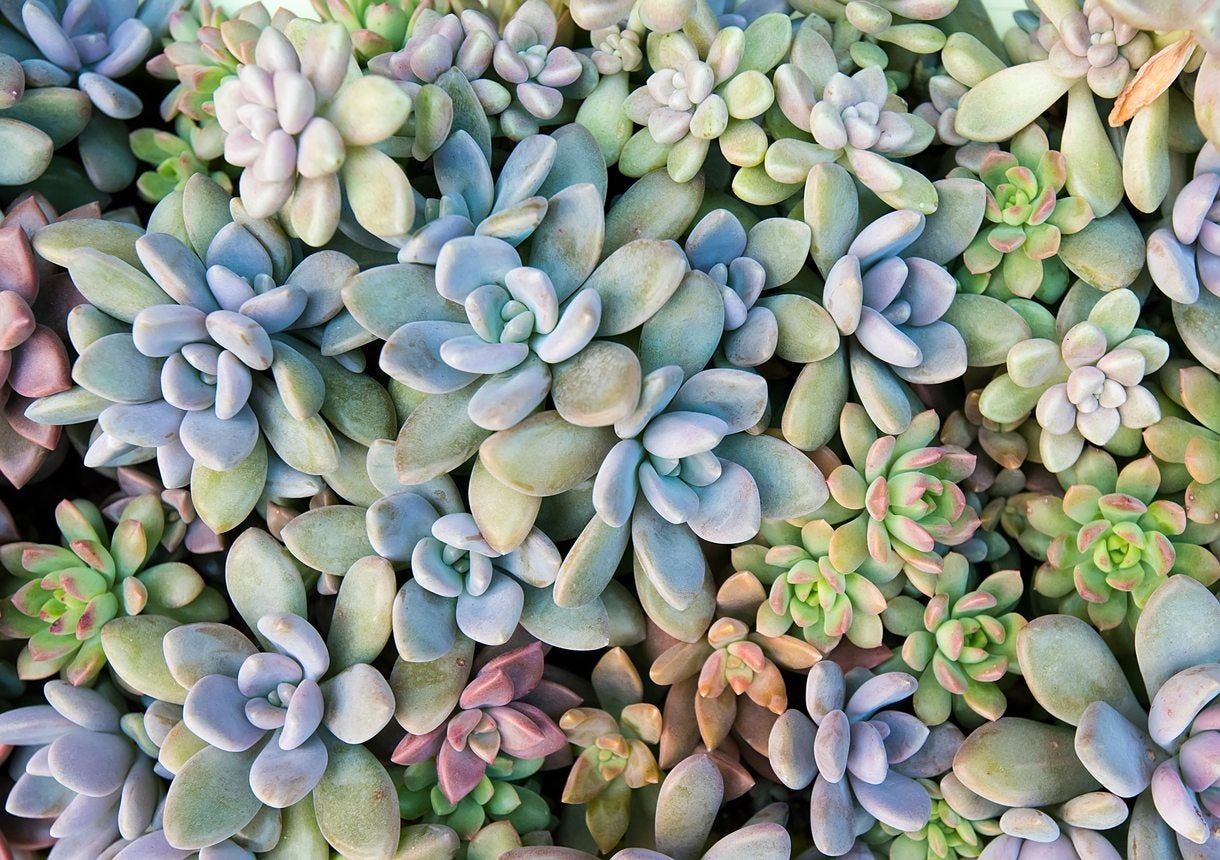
point(1155, 755)
point(204, 46)
point(1029, 217)
point(1109, 543)
point(963, 642)
point(806, 592)
point(307, 145)
point(897, 500)
point(84, 770)
point(375, 28)
point(1193, 445)
point(275, 724)
point(1082, 377)
point(61, 597)
point(726, 689)
point(445, 66)
point(852, 749)
point(743, 264)
point(1082, 51)
point(616, 749)
point(535, 70)
point(495, 716)
point(518, 324)
point(35, 361)
point(194, 339)
point(854, 121)
point(482, 420)
point(684, 469)
point(700, 94)
point(897, 308)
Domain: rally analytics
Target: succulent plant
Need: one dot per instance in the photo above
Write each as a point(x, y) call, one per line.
point(807, 592)
point(444, 67)
point(853, 121)
point(897, 500)
point(889, 294)
point(685, 468)
point(61, 598)
point(84, 766)
point(308, 146)
point(892, 306)
point(375, 28)
point(852, 752)
point(495, 718)
point(518, 325)
point(960, 827)
point(1181, 255)
point(183, 527)
point(615, 745)
point(34, 359)
point(204, 47)
point(1086, 53)
point(962, 642)
point(535, 69)
point(508, 205)
point(460, 585)
point(616, 49)
point(1109, 543)
point(1022, 202)
point(1176, 441)
point(503, 794)
point(703, 93)
point(205, 348)
point(1159, 754)
point(176, 157)
point(743, 264)
point(438, 376)
point(1082, 377)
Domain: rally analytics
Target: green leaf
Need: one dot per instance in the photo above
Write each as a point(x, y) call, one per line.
point(1009, 100)
point(28, 152)
point(224, 499)
point(262, 578)
point(425, 693)
point(1179, 628)
point(59, 112)
point(545, 455)
point(306, 446)
point(654, 207)
point(116, 287)
point(635, 281)
point(437, 437)
point(210, 799)
point(1067, 666)
point(133, 647)
point(989, 327)
point(1018, 763)
point(504, 515)
point(360, 624)
point(811, 415)
point(687, 328)
point(1108, 253)
point(1093, 168)
point(789, 484)
point(356, 803)
point(330, 538)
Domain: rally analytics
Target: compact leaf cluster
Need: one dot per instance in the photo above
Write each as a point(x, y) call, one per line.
point(647, 429)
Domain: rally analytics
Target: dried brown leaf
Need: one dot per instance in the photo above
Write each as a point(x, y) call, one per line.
point(1152, 79)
